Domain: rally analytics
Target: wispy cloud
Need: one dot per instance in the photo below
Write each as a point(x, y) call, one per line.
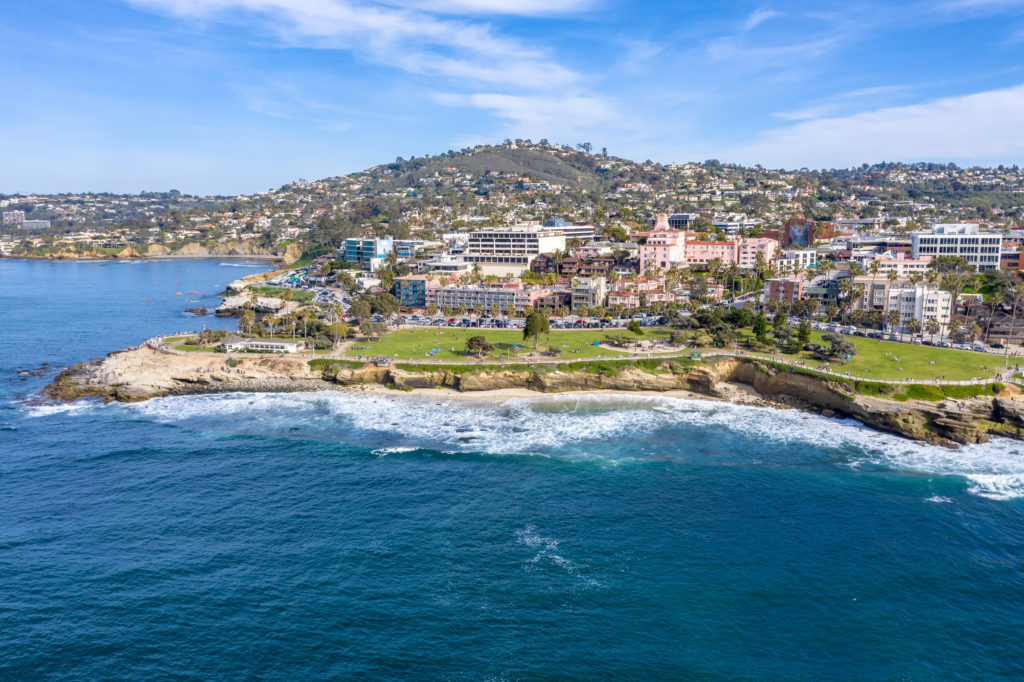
point(533, 8)
point(846, 102)
point(757, 18)
point(412, 40)
point(983, 127)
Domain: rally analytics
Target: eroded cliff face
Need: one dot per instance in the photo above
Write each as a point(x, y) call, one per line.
point(142, 373)
point(231, 248)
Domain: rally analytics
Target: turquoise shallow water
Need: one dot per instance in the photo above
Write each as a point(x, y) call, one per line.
point(330, 535)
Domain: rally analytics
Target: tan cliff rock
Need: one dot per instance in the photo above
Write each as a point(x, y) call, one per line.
point(145, 372)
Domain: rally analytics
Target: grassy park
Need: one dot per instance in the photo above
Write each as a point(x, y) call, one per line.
point(874, 359)
point(450, 343)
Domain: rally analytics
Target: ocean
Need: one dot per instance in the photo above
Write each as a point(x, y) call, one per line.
point(332, 535)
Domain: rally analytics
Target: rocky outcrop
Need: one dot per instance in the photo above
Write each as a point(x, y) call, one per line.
point(146, 372)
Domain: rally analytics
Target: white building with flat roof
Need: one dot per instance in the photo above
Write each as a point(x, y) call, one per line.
point(510, 250)
point(962, 240)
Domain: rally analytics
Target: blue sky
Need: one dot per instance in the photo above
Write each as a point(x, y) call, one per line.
point(228, 96)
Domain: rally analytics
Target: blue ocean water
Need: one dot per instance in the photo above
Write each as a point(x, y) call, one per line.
point(292, 536)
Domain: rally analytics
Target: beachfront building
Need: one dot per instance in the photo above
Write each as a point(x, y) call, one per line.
point(510, 250)
point(919, 302)
point(366, 253)
point(588, 291)
point(504, 295)
point(234, 344)
point(959, 239)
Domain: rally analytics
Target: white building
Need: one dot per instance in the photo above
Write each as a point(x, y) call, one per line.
point(510, 250)
point(959, 239)
point(920, 302)
point(794, 260)
point(897, 262)
point(589, 291)
point(234, 343)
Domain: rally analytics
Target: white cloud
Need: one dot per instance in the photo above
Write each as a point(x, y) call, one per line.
point(517, 7)
point(982, 127)
point(757, 18)
point(408, 39)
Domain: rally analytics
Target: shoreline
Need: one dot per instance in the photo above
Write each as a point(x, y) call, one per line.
point(151, 371)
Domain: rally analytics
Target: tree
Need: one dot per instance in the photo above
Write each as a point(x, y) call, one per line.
point(761, 327)
point(360, 309)
point(246, 319)
point(479, 346)
point(933, 327)
point(955, 328)
point(913, 326)
point(373, 330)
point(803, 332)
point(536, 324)
point(838, 347)
point(893, 318)
point(973, 332)
point(634, 326)
point(338, 330)
point(1014, 293)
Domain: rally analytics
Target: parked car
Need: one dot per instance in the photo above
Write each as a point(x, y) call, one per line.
point(996, 345)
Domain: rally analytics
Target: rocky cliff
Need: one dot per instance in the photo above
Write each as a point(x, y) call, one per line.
point(290, 254)
point(145, 372)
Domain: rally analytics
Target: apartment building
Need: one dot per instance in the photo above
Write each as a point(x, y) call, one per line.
point(588, 291)
point(898, 263)
point(919, 302)
point(959, 239)
point(788, 289)
point(366, 253)
point(503, 295)
point(411, 291)
point(749, 248)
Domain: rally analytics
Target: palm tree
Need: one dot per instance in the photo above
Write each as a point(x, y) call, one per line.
point(271, 322)
point(913, 326)
point(1014, 293)
point(893, 318)
point(246, 319)
point(933, 327)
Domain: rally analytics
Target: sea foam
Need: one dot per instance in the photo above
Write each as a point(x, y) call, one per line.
point(581, 427)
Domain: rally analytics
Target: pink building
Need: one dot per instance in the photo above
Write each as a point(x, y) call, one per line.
point(750, 247)
point(665, 247)
point(698, 253)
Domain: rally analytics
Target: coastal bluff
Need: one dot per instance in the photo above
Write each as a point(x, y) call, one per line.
point(145, 372)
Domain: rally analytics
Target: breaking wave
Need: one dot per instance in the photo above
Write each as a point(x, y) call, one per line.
point(605, 429)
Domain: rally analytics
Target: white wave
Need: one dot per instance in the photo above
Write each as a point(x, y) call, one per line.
point(49, 410)
point(243, 265)
point(384, 452)
point(579, 427)
point(939, 499)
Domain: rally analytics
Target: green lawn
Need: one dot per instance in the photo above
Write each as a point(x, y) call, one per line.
point(415, 344)
point(878, 360)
